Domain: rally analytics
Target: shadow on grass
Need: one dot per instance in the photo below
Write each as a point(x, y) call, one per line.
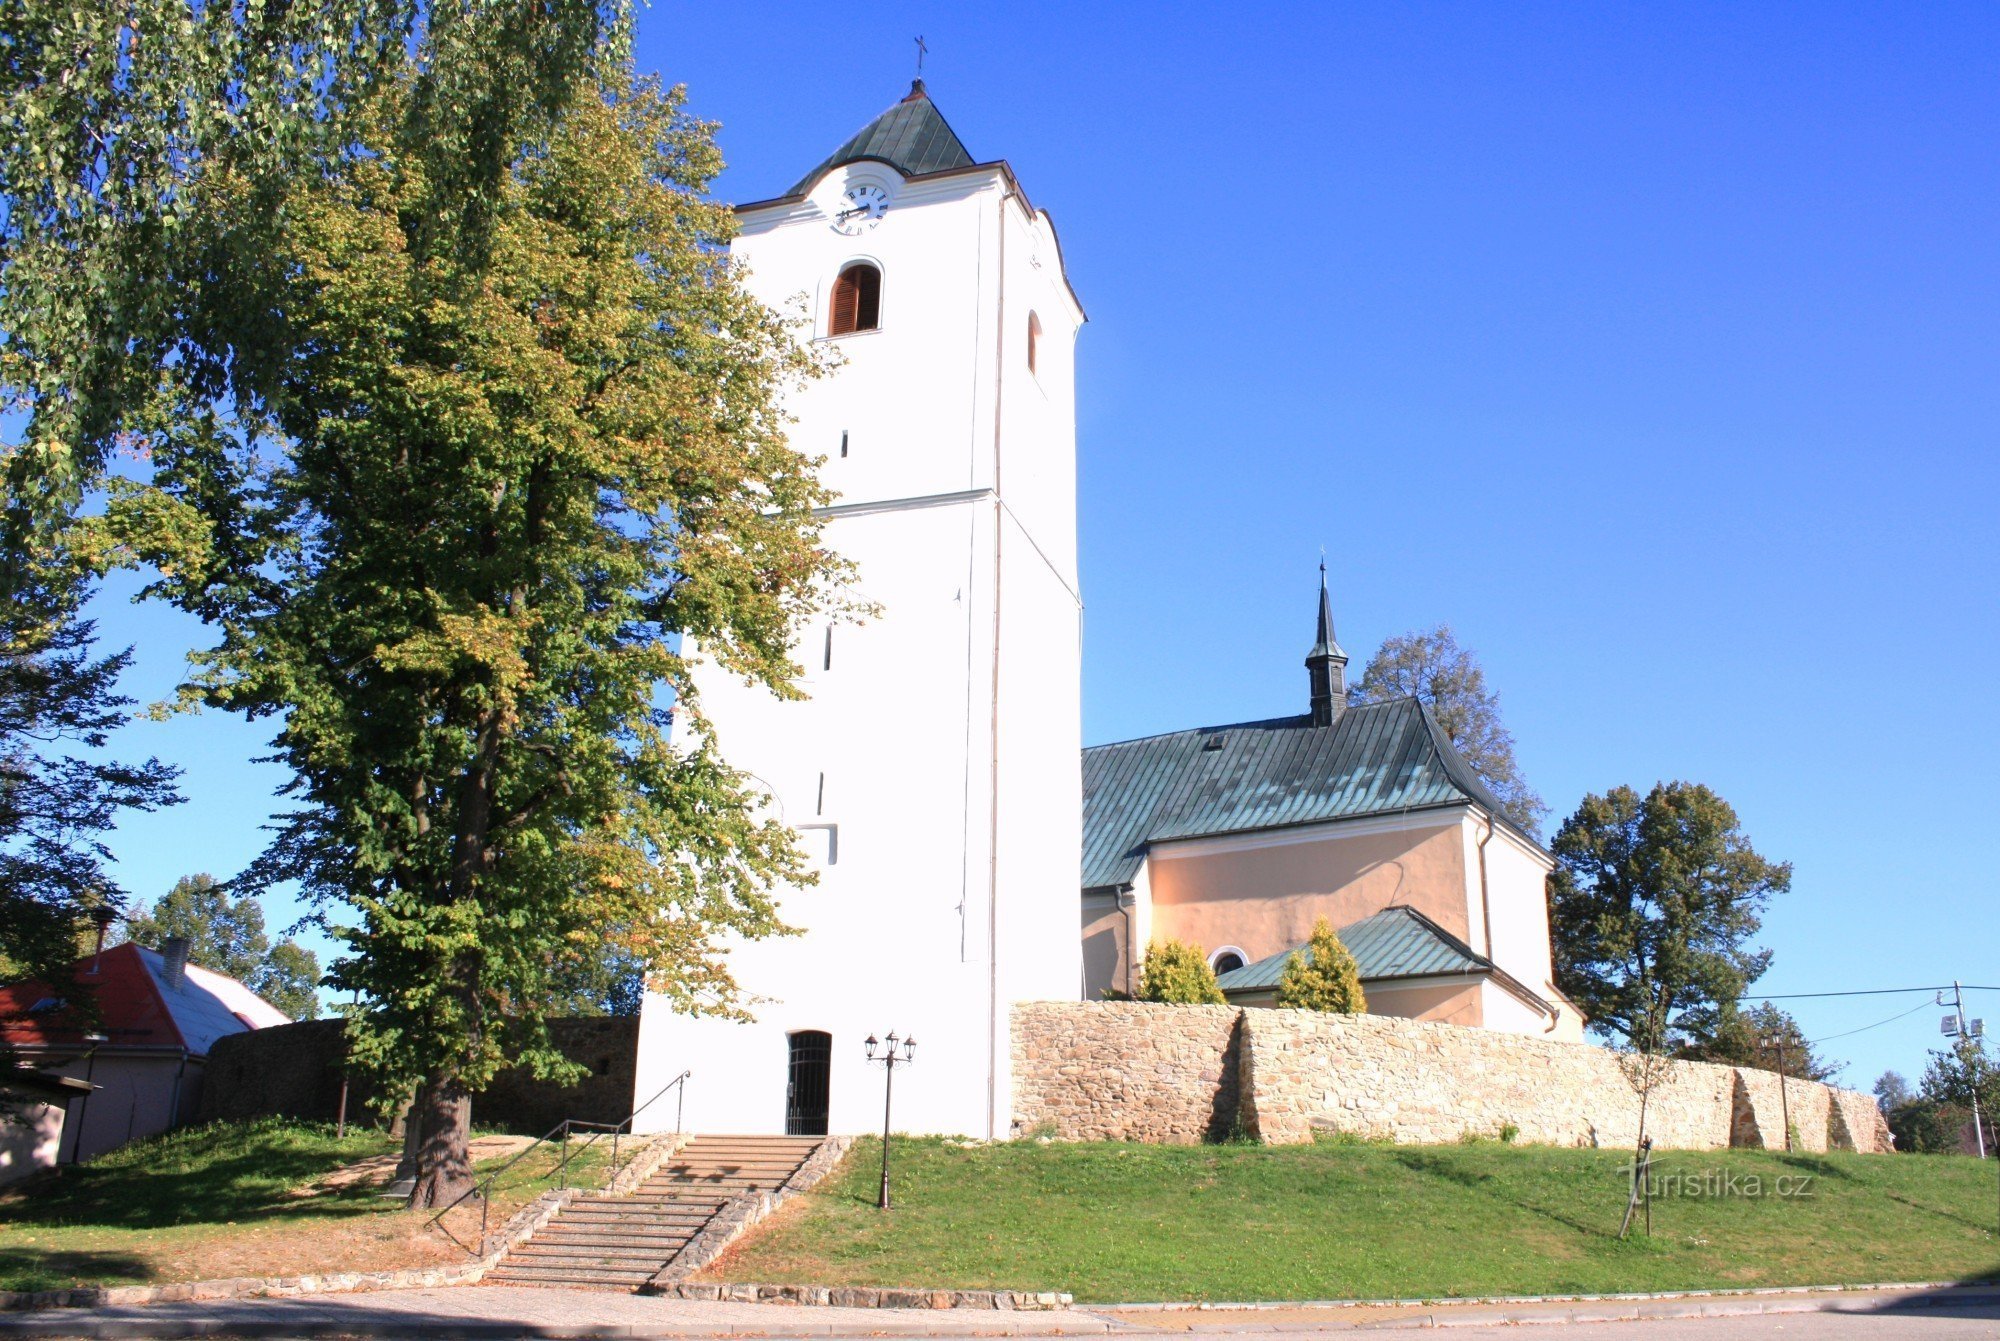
point(1434, 1165)
point(58, 1269)
point(1952, 1217)
point(1813, 1164)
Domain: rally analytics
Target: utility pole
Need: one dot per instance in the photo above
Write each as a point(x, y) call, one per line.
point(1978, 1125)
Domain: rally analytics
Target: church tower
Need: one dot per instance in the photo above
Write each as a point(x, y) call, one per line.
point(934, 773)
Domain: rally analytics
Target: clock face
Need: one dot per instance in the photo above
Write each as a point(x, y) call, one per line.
point(863, 209)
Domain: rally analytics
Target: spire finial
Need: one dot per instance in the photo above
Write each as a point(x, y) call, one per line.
point(1326, 664)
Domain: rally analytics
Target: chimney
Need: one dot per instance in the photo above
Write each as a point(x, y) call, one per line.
point(1326, 664)
point(174, 951)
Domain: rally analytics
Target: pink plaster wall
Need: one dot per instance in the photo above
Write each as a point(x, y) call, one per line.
point(1265, 899)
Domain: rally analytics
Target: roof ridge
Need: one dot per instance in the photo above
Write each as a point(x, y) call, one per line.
point(1304, 718)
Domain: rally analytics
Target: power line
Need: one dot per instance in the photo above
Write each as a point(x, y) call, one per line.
point(1921, 1005)
point(1872, 991)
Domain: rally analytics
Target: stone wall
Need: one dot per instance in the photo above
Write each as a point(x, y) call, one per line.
point(1104, 1070)
point(1123, 1071)
point(294, 1071)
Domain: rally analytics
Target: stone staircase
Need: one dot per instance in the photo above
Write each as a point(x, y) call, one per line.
point(618, 1243)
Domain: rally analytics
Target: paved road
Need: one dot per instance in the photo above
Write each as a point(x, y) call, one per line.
point(494, 1313)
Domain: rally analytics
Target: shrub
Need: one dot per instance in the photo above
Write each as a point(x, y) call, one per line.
point(1179, 975)
point(1324, 977)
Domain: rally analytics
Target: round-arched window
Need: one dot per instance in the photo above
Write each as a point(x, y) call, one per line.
point(857, 300)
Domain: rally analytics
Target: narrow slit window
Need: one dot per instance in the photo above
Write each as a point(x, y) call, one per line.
point(819, 802)
point(843, 444)
point(826, 658)
point(857, 300)
point(1034, 339)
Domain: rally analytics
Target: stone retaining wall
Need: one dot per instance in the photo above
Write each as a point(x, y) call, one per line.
point(1125, 1071)
point(1181, 1074)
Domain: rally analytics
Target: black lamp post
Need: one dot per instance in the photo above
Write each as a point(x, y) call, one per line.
point(890, 1058)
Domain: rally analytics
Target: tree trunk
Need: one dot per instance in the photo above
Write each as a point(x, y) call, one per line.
point(443, 1119)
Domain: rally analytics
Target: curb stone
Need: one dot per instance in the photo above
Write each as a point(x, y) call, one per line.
point(1960, 1288)
point(871, 1296)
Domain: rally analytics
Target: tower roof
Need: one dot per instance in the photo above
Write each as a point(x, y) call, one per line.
point(1325, 645)
point(911, 137)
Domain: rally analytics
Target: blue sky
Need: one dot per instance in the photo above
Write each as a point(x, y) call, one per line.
point(1653, 348)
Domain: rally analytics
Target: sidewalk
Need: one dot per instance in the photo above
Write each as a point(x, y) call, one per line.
point(490, 1312)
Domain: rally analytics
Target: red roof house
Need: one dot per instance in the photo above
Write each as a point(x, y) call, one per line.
point(157, 1018)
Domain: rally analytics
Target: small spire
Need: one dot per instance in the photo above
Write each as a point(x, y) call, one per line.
point(1326, 664)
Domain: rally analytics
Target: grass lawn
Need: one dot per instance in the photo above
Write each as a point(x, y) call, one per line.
point(1115, 1222)
point(257, 1199)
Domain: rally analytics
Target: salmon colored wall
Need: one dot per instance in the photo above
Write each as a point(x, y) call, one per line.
point(1446, 1004)
point(1105, 961)
point(1265, 899)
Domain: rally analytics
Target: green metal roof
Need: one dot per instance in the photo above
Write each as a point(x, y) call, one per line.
point(1398, 942)
point(1374, 759)
point(911, 137)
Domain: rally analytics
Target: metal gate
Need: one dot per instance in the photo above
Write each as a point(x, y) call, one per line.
point(810, 1083)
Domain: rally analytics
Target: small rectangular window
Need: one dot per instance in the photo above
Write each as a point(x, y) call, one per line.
point(819, 804)
point(843, 444)
point(826, 662)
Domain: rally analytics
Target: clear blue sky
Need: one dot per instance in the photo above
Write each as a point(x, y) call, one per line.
point(1655, 349)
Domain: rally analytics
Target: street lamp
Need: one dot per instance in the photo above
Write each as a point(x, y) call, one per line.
point(890, 1058)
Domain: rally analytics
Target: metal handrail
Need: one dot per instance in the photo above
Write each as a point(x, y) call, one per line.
point(483, 1188)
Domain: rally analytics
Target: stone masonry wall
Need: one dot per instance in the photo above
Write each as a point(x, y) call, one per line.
point(1124, 1070)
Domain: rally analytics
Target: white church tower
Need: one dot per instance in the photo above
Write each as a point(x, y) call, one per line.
point(935, 771)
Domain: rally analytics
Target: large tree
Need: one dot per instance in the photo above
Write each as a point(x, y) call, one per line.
point(1653, 905)
point(447, 527)
point(116, 117)
point(1430, 665)
point(227, 934)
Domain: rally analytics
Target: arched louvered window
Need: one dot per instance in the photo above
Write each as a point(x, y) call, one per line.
point(857, 300)
point(1034, 339)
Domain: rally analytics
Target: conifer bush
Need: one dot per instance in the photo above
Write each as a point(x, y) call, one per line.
point(1325, 977)
point(1178, 974)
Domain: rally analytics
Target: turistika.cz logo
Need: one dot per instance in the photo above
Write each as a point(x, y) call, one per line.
point(1721, 1184)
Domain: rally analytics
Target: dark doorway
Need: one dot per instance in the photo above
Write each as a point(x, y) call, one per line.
point(811, 1077)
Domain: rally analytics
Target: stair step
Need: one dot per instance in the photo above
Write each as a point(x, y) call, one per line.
point(666, 1243)
point(630, 1280)
point(617, 1257)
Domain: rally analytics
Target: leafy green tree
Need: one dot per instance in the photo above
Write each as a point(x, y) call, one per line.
point(1178, 974)
point(227, 935)
point(457, 510)
point(1892, 1091)
point(1653, 903)
point(1323, 977)
point(1429, 665)
point(1763, 1037)
point(1960, 1076)
point(115, 117)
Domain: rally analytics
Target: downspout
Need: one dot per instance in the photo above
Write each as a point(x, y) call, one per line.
point(993, 755)
point(180, 1073)
point(1485, 901)
point(1125, 901)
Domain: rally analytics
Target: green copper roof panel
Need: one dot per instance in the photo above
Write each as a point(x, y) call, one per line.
point(911, 137)
point(1397, 942)
point(1376, 759)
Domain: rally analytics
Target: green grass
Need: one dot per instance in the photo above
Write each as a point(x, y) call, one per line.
point(1116, 1222)
point(235, 1200)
